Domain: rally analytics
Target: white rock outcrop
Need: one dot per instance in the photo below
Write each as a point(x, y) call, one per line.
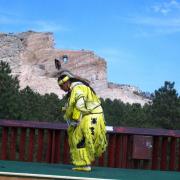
point(31, 57)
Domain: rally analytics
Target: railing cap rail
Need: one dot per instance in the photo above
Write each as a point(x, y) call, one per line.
point(32, 124)
point(110, 129)
point(147, 131)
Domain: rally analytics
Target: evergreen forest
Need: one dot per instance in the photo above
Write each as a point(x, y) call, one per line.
point(24, 104)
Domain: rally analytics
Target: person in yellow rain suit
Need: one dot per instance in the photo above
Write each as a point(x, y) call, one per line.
point(84, 115)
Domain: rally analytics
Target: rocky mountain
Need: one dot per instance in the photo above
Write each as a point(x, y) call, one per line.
point(31, 56)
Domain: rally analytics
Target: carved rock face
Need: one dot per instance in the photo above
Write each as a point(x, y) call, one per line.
point(32, 55)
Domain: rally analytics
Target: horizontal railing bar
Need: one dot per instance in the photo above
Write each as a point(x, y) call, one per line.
point(110, 129)
point(147, 131)
point(33, 124)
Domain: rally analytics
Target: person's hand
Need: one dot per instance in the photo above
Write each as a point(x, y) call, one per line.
point(65, 117)
point(63, 109)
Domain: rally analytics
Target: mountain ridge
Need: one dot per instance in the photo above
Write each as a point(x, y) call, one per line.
point(31, 57)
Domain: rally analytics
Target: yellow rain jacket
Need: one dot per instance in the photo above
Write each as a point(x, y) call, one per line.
point(87, 139)
point(82, 102)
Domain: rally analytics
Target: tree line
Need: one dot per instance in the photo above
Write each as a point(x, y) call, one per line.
point(25, 104)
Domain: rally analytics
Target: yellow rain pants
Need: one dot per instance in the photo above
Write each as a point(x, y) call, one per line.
point(87, 139)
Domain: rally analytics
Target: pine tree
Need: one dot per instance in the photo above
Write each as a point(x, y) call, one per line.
point(9, 97)
point(165, 109)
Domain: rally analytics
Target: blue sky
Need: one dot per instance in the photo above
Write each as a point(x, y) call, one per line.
point(139, 39)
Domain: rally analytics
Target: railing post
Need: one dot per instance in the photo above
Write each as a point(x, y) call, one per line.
point(22, 144)
point(4, 143)
point(49, 145)
point(31, 144)
point(66, 149)
point(57, 146)
point(124, 154)
point(40, 145)
point(13, 143)
point(118, 150)
point(164, 153)
point(155, 154)
point(53, 147)
point(111, 150)
point(173, 154)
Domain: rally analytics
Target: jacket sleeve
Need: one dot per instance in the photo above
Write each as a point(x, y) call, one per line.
point(80, 101)
point(76, 104)
point(81, 105)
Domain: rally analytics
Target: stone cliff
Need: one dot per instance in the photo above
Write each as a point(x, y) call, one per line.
point(31, 57)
